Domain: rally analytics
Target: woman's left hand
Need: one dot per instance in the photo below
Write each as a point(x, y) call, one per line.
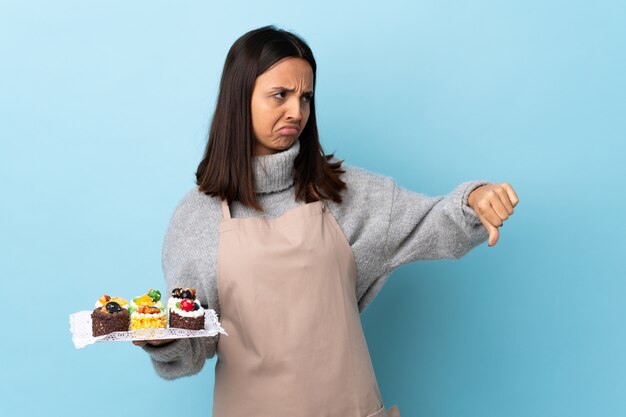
point(493, 204)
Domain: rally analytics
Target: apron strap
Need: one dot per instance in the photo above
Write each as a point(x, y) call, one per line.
point(225, 209)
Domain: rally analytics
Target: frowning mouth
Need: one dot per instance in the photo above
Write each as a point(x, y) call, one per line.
point(289, 130)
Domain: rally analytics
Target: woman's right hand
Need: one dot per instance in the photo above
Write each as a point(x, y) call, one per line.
point(493, 204)
point(160, 342)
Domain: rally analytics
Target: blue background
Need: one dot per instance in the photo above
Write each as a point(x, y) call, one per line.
point(104, 111)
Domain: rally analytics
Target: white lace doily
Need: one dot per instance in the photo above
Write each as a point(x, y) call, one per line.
point(80, 326)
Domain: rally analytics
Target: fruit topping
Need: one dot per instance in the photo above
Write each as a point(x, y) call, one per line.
point(148, 310)
point(113, 307)
point(177, 293)
point(104, 299)
point(143, 300)
point(187, 304)
point(189, 293)
point(120, 301)
point(155, 295)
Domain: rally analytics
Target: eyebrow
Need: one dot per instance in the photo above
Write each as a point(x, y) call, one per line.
point(291, 90)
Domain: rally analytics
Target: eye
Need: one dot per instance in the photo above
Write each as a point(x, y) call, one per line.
point(307, 98)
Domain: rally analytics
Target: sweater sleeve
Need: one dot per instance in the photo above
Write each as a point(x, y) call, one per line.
point(182, 357)
point(425, 228)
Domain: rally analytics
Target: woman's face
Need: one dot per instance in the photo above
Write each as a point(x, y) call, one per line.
point(281, 97)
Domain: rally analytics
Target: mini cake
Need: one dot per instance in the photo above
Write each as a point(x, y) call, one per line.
point(110, 315)
point(185, 312)
point(146, 311)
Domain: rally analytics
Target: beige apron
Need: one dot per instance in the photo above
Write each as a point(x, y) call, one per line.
point(295, 348)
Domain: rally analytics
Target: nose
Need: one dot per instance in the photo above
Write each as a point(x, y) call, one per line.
point(294, 110)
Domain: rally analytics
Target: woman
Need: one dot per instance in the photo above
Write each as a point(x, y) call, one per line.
point(289, 246)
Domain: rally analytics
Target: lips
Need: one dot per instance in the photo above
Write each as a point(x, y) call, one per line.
point(289, 130)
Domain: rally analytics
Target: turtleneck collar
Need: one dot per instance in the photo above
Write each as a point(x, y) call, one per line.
point(275, 172)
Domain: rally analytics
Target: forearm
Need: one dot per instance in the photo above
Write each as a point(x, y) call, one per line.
point(423, 227)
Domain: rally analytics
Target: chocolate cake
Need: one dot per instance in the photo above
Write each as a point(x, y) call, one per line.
point(182, 322)
point(109, 318)
point(184, 311)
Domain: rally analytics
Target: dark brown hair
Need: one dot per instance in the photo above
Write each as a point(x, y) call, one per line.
point(226, 169)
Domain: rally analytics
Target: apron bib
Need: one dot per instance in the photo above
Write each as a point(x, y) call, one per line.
point(295, 348)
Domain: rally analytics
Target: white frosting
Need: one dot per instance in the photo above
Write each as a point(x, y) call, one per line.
point(171, 302)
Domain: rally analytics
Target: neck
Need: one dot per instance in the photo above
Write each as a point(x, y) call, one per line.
point(274, 172)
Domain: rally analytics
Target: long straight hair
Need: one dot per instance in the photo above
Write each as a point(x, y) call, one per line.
point(227, 169)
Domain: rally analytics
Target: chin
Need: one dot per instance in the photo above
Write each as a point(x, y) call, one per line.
point(285, 142)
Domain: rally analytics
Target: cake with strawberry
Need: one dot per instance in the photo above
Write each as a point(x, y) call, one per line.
point(147, 312)
point(110, 315)
point(185, 312)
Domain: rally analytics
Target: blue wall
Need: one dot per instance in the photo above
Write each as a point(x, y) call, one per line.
point(104, 108)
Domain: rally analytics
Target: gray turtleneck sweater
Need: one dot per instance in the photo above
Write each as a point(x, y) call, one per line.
point(385, 224)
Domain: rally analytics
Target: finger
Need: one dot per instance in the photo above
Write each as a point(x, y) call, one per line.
point(504, 200)
point(494, 234)
point(160, 342)
point(512, 194)
point(489, 214)
point(501, 212)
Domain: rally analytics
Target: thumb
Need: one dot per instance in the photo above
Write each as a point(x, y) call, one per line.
point(493, 231)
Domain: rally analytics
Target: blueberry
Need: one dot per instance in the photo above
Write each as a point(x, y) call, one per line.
point(113, 307)
point(188, 294)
